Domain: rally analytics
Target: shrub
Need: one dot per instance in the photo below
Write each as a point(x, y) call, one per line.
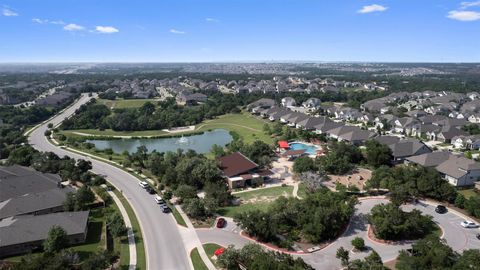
point(358, 243)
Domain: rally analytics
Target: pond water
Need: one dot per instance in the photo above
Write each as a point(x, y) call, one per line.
point(201, 143)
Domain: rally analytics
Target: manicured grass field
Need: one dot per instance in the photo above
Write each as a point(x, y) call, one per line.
point(109, 132)
point(249, 127)
point(125, 103)
point(197, 261)
point(210, 250)
point(259, 199)
point(246, 125)
point(469, 193)
point(302, 191)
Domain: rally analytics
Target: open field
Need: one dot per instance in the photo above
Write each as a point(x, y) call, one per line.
point(125, 103)
point(247, 126)
point(256, 199)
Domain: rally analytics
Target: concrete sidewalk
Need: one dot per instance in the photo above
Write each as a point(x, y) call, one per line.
point(191, 240)
point(131, 239)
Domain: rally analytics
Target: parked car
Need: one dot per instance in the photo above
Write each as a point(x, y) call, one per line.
point(221, 222)
point(441, 209)
point(478, 236)
point(165, 208)
point(150, 190)
point(143, 184)
point(159, 199)
point(468, 224)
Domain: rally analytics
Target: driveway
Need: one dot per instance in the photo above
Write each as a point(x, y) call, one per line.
point(164, 247)
point(456, 236)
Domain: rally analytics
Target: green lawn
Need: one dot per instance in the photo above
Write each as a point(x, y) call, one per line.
point(468, 193)
point(95, 238)
point(125, 103)
point(249, 127)
point(109, 132)
point(259, 199)
point(197, 261)
point(141, 259)
point(302, 191)
point(210, 250)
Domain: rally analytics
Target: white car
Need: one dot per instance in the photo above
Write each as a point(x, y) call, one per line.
point(159, 199)
point(468, 224)
point(143, 184)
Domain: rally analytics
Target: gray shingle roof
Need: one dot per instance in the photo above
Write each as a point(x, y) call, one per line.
point(29, 228)
point(430, 159)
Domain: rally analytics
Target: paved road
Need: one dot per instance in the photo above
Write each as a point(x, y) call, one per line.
point(163, 243)
point(456, 236)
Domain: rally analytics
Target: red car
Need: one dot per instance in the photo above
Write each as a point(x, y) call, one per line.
point(221, 222)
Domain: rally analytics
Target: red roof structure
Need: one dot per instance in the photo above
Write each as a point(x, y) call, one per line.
point(283, 144)
point(219, 251)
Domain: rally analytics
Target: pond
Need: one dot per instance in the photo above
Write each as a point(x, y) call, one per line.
point(201, 143)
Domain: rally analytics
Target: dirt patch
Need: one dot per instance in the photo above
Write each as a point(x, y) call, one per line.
point(356, 178)
point(264, 199)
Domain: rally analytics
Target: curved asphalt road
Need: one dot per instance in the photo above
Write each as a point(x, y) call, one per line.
point(163, 244)
point(456, 236)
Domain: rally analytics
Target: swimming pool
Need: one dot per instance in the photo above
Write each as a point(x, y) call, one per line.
point(309, 149)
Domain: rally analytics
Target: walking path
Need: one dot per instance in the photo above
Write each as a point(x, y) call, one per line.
point(131, 238)
point(295, 190)
point(191, 240)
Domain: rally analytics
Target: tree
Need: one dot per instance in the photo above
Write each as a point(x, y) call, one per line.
point(47, 133)
point(195, 208)
point(115, 224)
point(258, 224)
point(378, 154)
point(303, 164)
point(69, 204)
point(313, 181)
point(428, 253)
point(218, 151)
point(83, 197)
point(56, 240)
point(343, 255)
point(358, 243)
point(391, 223)
point(98, 260)
point(185, 192)
point(371, 262)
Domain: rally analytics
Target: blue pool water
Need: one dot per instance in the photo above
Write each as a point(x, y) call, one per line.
point(311, 150)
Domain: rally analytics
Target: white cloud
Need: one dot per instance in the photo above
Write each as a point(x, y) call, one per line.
point(212, 20)
point(73, 27)
point(8, 12)
point(44, 21)
point(465, 5)
point(40, 21)
point(57, 22)
point(174, 31)
point(464, 16)
point(106, 29)
point(372, 8)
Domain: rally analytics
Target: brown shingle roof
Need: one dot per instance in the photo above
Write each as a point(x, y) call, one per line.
point(235, 164)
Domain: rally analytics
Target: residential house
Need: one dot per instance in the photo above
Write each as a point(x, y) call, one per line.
point(26, 233)
point(351, 134)
point(460, 171)
point(446, 134)
point(402, 149)
point(405, 125)
point(471, 142)
point(312, 104)
point(288, 102)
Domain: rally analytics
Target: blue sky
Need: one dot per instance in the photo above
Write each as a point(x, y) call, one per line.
point(239, 30)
